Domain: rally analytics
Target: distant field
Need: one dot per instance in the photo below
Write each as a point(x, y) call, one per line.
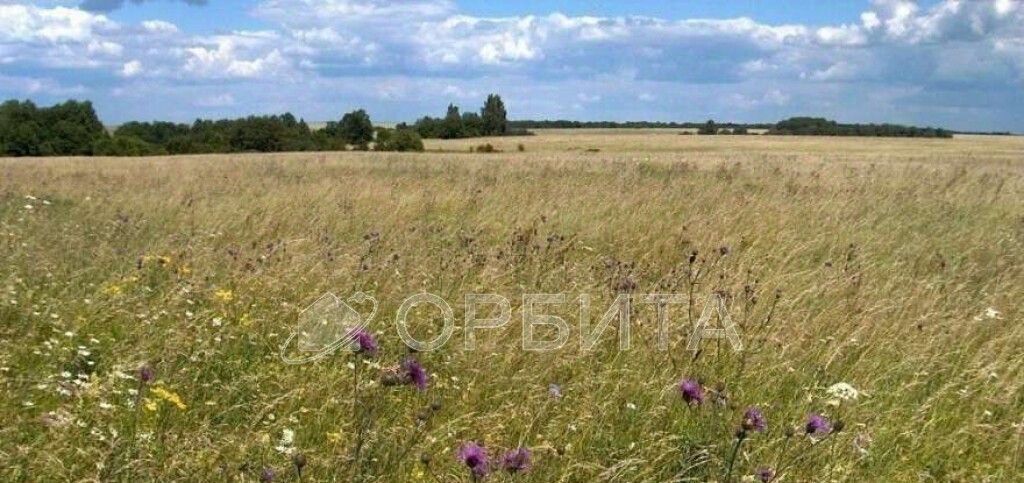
point(893, 265)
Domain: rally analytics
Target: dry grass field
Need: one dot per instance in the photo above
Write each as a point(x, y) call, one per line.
point(893, 265)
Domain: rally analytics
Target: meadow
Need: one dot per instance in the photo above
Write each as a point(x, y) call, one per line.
point(876, 284)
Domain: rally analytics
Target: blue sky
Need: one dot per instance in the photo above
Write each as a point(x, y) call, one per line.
point(953, 63)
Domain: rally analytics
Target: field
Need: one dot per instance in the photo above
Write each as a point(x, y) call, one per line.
point(893, 265)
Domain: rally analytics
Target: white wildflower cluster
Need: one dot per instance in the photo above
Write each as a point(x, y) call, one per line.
point(284, 446)
point(841, 392)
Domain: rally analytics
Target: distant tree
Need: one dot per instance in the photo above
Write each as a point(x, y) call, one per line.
point(66, 129)
point(740, 130)
point(494, 117)
point(472, 125)
point(708, 128)
point(398, 140)
point(356, 129)
point(453, 127)
point(160, 133)
point(19, 129)
point(125, 145)
point(70, 129)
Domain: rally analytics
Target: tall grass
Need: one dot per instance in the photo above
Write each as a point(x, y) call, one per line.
point(898, 269)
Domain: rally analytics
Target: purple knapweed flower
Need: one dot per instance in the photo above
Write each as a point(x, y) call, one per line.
point(365, 340)
point(817, 425)
point(146, 374)
point(415, 374)
point(753, 420)
point(692, 391)
point(764, 474)
point(474, 456)
point(516, 460)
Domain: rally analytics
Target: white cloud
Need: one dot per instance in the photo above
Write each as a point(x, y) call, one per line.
point(159, 27)
point(241, 54)
point(27, 23)
point(131, 68)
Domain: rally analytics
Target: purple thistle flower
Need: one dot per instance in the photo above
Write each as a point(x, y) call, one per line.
point(415, 374)
point(753, 420)
point(692, 391)
point(267, 475)
point(516, 460)
point(146, 374)
point(765, 474)
point(818, 425)
point(365, 340)
point(474, 456)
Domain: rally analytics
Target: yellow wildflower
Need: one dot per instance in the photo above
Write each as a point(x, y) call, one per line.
point(150, 405)
point(334, 437)
point(224, 295)
point(112, 289)
point(169, 396)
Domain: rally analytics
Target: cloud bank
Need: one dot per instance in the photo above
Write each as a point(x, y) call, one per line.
point(957, 64)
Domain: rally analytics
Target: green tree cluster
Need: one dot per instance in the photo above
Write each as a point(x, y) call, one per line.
point(67, 129)
point(817, 126)
point(492, 121)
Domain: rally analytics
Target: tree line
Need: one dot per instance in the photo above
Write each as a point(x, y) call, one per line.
point(492, 121)
point(73, 129)
point(817, 126)
point(566, 124)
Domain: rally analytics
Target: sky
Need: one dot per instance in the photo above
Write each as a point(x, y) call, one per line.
point(952, 63)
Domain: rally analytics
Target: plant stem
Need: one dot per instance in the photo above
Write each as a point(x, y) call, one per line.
point(735, 451)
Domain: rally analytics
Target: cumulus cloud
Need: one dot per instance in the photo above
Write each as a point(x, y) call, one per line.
point(30, 24)
point(242, 54)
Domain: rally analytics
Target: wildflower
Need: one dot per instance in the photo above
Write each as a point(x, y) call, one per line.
point(843, 392)
point(267, 475)
point(415, 374)
point(692, 391)
point(753, 420)
point(555, 391)
point(516, 460)
point(284, 446)
point(475, 457)
point(170, 397)
point(224, 295)
point(765, 474)
point(364, 340)
point(146, 374)
point(817, 425)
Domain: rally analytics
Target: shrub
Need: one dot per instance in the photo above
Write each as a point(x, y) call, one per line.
point(398, 140)
point(124, 145)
